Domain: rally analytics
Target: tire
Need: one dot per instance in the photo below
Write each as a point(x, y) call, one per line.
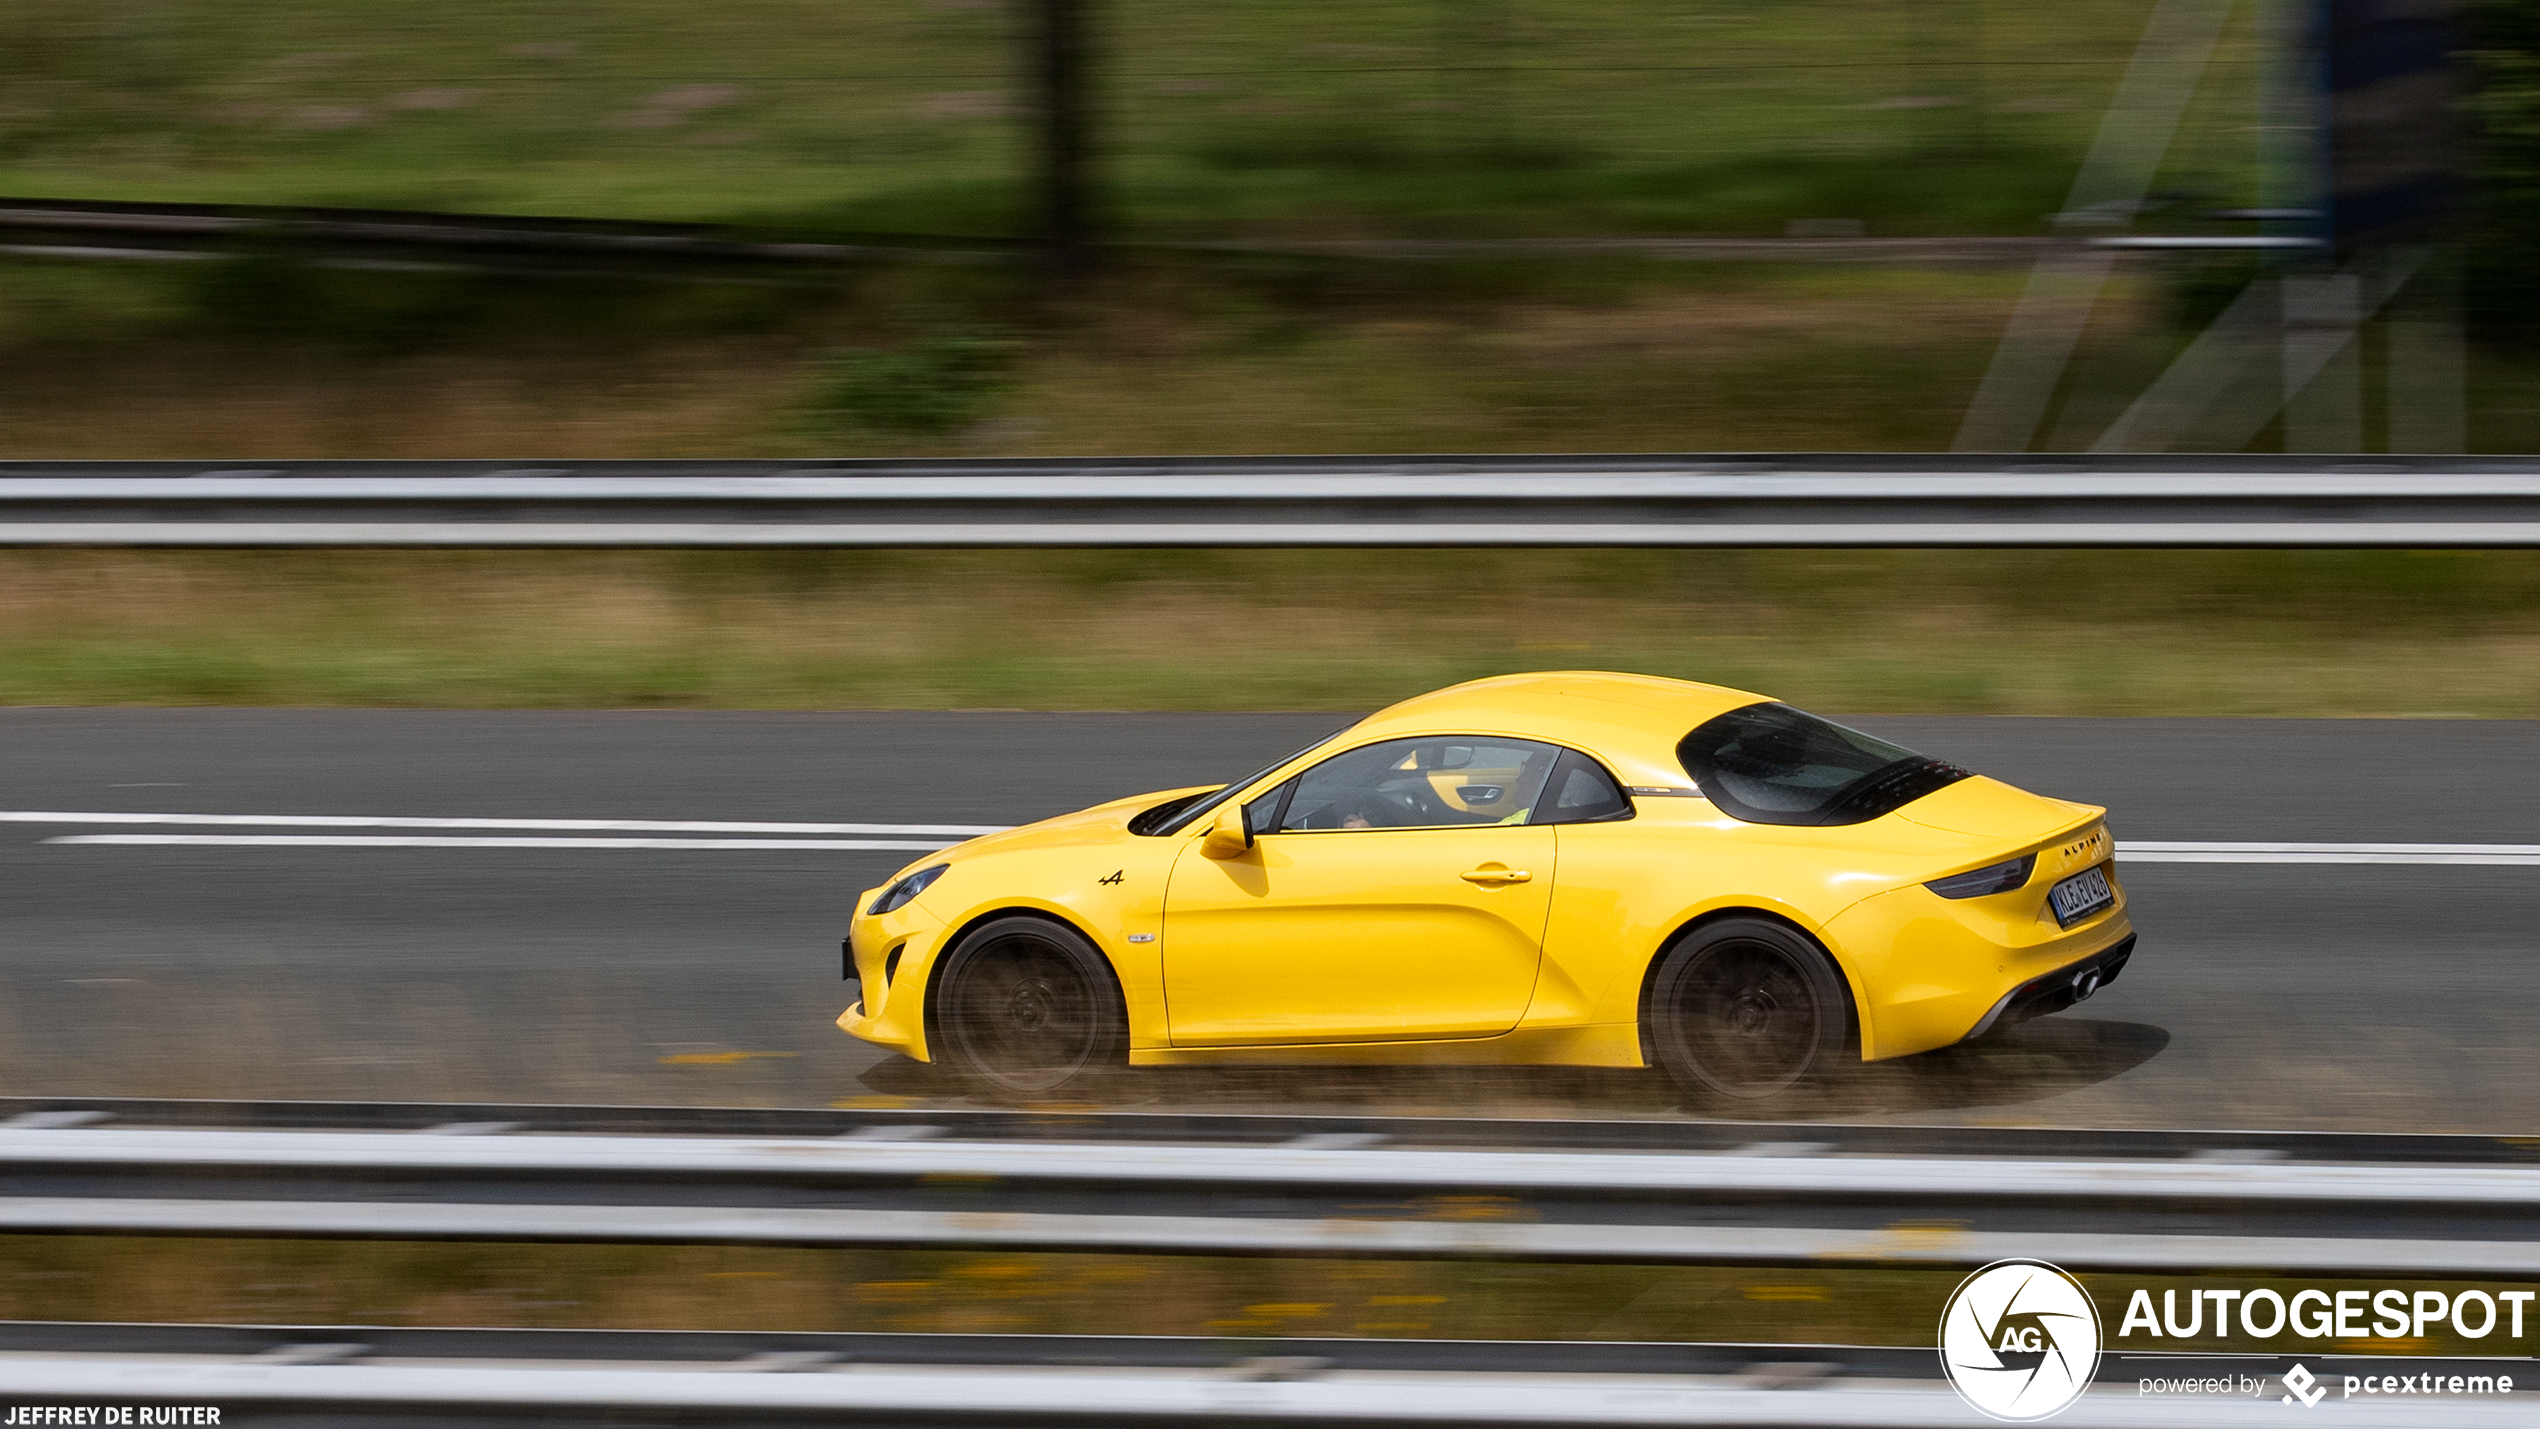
point(1745, 1010)
point(1025, 1007)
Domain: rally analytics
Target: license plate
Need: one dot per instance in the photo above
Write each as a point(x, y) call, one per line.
point(2081, 895)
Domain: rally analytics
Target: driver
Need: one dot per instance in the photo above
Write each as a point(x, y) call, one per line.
point(1391, 787)
point(1396, 803)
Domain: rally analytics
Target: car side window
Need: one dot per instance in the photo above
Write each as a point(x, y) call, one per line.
point(1437, 781)
point(1261, 816)
point(1581, 792)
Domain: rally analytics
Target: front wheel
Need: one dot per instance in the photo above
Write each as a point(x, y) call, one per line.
point(1744, 1010)
point(1025, 1007)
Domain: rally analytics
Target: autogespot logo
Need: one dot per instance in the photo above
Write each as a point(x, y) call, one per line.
point(2020, 1340)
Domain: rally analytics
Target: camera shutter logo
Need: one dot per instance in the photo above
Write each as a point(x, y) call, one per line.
point(2020, 1340)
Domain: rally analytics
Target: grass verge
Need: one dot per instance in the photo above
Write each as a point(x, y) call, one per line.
point(2142, 633)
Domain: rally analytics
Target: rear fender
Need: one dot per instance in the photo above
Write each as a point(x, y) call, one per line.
point(1856, 996)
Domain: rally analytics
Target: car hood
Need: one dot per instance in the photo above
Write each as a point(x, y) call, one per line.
point(1103, 823)
point(1989, 808)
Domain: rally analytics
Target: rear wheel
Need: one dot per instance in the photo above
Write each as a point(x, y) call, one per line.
point(1025, 1007)
point(1744, 1010)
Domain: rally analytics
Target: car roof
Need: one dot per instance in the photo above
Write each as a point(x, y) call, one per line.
point(1633, 721)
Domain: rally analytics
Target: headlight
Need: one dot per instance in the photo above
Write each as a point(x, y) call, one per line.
point(897, 896)
point(2000, 878)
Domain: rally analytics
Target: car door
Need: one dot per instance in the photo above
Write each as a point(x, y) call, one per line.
point(1391, 892)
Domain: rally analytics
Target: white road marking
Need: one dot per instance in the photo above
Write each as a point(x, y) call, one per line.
point(2482, 855)
point(363, 821)
point(452, 841)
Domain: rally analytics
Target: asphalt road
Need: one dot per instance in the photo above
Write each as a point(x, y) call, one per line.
point(2399, 998)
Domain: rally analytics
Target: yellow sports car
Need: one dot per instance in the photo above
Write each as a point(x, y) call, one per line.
point(1581, 869)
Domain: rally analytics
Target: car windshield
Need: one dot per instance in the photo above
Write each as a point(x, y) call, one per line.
point(1179, 814)
point(1771, 764)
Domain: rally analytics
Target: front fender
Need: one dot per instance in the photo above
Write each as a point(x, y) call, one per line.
point(1111, 892)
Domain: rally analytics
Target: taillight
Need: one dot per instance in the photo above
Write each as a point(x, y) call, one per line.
point(2000, 878)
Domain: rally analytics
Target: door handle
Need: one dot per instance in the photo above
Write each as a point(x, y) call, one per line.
point(1493, 873)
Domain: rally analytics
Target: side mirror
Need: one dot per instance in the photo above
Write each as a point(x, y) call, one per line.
point(1230, 836)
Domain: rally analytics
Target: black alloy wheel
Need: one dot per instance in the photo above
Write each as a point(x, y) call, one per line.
point(1746, 1009)
point(1025, 1007)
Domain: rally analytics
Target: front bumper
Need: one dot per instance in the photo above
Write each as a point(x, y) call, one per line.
point(890, 955)
point(2065, 986)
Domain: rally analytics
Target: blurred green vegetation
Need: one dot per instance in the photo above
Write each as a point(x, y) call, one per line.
point(750, 1288)
point(1262, 125)
point(266, 359)
point(2010, 632)
point(936, 383)
point(1452, 117)
point(1240, 1298)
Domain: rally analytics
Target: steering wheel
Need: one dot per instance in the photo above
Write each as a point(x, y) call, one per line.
point(1415, 799)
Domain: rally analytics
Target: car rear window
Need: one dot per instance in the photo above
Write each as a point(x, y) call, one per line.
point(1771, 764)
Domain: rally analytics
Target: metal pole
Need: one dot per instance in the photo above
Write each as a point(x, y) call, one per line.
point(2134, 136)
point(1061, 67)
point(2287, 331)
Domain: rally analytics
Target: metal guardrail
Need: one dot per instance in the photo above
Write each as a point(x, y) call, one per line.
point(1758, 1203)
point(897, 1118)
point(1293, 1168)
point(1679, 501)
point(1646, 1192)
point(1237, 1357)
point(880, 1394)
point(88, 230)
point(417, 1377)
point(417, 239)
